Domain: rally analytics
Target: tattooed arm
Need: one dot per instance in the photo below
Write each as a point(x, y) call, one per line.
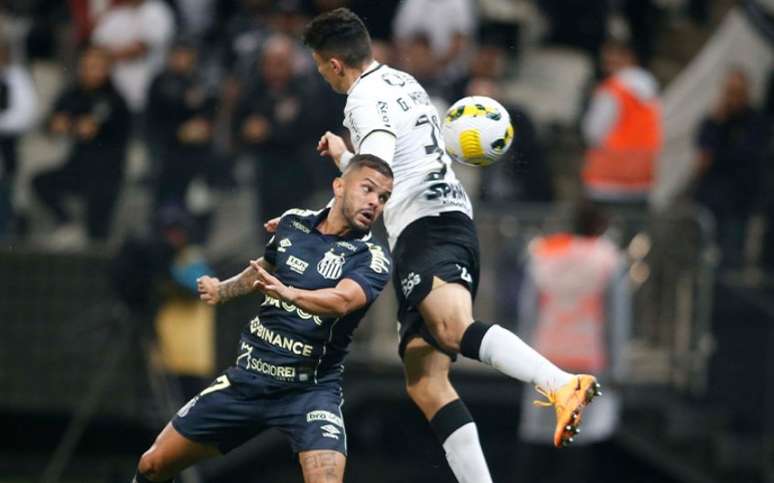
point(213, 291)
point(322, 466)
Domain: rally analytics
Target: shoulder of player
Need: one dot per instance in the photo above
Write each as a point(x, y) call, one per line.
point(374, 255)
point(297, 218)
point(383, 82)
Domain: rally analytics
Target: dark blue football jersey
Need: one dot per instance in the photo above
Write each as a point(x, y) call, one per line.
point(289, 344)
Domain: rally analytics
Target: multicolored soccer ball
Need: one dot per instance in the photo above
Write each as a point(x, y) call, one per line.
point(477, 131)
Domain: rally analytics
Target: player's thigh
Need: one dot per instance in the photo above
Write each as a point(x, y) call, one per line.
point(322, 466)
point(448, 311)
point(172, 452)
point(427, 376)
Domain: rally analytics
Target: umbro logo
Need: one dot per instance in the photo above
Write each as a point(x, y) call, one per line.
point(284, 244)
point(330, 431)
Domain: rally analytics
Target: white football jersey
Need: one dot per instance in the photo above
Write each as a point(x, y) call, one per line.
point(386, 99)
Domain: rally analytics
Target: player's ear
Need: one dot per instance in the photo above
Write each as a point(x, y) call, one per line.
point(338, 187)
point(337, 65)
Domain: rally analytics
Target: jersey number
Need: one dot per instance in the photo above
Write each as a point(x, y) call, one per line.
point(221, 382)
point(435, 129)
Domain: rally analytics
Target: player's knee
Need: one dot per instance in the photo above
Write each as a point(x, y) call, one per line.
point(448, 332)
point(428, 391)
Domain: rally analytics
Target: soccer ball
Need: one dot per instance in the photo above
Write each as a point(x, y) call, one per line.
point(477, 131)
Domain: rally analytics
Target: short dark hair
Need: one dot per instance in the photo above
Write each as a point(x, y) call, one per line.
point(369, 161)
point(589, 218)
point(340, 33)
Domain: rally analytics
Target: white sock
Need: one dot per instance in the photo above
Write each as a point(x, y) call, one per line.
point(463, 452)
point(503, 350)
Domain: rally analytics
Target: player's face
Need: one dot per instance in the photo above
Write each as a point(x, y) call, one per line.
point(330, 70)
point(365, 193)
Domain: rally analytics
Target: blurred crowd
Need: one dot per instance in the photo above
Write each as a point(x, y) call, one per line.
point(204, 86)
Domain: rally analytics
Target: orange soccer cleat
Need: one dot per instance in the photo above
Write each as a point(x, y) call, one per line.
point(569, 401)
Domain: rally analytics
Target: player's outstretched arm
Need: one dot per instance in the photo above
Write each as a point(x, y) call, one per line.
point(213, 291)
point(346, 297)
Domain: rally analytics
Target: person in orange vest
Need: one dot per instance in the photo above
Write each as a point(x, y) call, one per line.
point(622, 129)
point(575, 308)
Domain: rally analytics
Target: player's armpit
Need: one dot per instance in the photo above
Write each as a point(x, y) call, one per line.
point(266, 265)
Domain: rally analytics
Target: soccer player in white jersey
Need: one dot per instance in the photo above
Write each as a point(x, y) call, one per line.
point(434, 245)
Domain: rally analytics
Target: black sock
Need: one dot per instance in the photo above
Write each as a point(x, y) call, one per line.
point(449, 419)
point(471, 339)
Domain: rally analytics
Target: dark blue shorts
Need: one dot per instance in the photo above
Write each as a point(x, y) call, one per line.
point(238, 405)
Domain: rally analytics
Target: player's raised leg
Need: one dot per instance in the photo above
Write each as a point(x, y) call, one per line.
point(447, 310)
point(428, 385)
point(322, 466)
point(170, 454)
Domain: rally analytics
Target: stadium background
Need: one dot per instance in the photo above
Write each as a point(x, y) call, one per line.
point(82, 394)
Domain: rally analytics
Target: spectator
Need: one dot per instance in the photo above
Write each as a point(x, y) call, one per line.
point(450, 34)
point(95, 118)
point(574, 308)
point(418, 59)
point(731, 145)
point(196, 18)
point(623, 130)
point(289, 17)
point(245, 35)
point(180, 124)
point(273, 123)
point(18, 109)
point(137, 34)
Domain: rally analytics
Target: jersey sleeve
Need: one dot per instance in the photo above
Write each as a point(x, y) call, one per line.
point(371, 271)
point(367, 114)
point(270, 253)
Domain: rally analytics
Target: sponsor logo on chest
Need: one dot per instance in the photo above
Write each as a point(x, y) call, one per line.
point(296, 264)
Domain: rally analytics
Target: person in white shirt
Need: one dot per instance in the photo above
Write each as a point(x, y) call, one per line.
point(18, 113)
point(434, 245)
point(137, 33)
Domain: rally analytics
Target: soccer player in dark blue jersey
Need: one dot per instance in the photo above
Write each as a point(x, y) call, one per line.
point(319, 274)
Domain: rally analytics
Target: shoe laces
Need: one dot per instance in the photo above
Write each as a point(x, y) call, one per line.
point(548, 394)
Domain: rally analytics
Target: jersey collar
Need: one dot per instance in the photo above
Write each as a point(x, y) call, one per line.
point(369, 70)
point(315, 220)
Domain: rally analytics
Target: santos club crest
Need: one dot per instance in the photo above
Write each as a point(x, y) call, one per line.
point(330, 266)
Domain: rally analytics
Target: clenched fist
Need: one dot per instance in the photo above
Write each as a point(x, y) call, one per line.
point(208, 289)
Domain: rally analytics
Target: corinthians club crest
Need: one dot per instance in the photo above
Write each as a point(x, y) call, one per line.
point(330, 266)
